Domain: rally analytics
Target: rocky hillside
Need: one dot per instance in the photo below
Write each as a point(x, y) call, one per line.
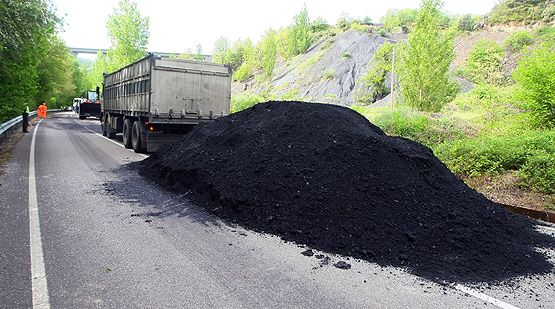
point(329, 71)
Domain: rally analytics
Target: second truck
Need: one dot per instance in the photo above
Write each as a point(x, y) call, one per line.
point(155, 100)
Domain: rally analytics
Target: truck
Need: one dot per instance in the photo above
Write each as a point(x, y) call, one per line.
point(155, 101)
point(90, 106)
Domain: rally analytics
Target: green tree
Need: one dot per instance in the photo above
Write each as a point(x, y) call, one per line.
point(27, 29)
point(299, 33)
point(396, 19)
point(129, 34)
point(95, 74)
point(267, 52)
point(425, 60)
point(535, 77)
point(221, 47)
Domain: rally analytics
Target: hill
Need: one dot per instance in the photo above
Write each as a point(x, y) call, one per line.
point(522, 12)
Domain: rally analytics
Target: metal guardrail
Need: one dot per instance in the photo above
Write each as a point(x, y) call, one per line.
point(5, 126)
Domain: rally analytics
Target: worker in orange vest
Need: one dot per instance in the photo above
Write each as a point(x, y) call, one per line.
point(41, 111)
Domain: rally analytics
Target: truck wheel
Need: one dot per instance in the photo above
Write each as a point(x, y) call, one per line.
point(82, 117)
point(127, 128)
point(103, 125)
point(111, 133)
point(136, 138)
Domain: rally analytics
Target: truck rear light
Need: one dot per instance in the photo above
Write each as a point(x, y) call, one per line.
point(151, 129)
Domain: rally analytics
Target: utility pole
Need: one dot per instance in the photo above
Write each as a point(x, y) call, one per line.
point(392, 77)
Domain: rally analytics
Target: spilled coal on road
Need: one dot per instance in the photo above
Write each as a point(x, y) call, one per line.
point(324, 176)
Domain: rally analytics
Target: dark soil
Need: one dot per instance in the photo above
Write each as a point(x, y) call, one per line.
point(323, 176)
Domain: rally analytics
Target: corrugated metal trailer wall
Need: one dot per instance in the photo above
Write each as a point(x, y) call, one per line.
point(127, 91)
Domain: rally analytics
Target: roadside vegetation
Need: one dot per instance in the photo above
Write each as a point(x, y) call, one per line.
point(36, 65)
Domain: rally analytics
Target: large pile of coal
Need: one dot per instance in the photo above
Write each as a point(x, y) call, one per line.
point(322, 175)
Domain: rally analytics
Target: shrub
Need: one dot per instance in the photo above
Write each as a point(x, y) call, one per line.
point(491, 154)
point(241, 102)
point(485, 63)
point(518, 41)
point(468, 22)
point(395, 20)
point(535, 76)
point(539, 172)
point(403, 122)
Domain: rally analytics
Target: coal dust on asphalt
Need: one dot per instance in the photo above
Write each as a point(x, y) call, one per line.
point(324, 176)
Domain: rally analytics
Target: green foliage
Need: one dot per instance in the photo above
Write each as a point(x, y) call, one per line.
point(241, 102)
point(395, 20)
point(129, 34)
point(468, 22)
point(403, 122)
point(94, 76)
point(299, 34)
point(535, 76)
point(267, 52)
point(359, 27)
point(425, 60)
point(492, 154)
point(539, 172)
point(546, 34)
point(380, 66)
point(34, 63)
point(522, 12)
point(319, 25)
point(518, 41)
point(221, 47)
point(485, 63)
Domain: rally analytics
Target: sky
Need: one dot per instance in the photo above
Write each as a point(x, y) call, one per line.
point(179, 26)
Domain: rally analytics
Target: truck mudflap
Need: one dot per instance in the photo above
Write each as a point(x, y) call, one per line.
point(156, 140)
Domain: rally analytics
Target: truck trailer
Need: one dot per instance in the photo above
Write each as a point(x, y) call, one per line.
point(155, 100)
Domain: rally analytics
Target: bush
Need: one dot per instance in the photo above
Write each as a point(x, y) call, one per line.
point(241, 102)
point(485, 63)
point(468, 22)
point(518, 41)
point(535, 76)
point(403, 122)
point(491, 154)
point(539, 172)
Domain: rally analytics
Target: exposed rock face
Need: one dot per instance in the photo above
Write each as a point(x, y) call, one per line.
point(329, 72)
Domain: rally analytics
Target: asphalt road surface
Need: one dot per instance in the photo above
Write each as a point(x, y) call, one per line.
point(80, 230)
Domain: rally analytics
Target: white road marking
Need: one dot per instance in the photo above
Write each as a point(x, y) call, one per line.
point(104, 137)
point(38, 274)
point(484, 297)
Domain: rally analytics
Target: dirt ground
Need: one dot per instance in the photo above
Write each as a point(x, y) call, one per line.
point(505, 189)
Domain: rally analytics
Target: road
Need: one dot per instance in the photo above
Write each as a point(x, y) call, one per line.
point(111, 239)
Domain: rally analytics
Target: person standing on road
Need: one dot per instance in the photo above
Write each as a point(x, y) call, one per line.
point(25, 116)
point(42, 110)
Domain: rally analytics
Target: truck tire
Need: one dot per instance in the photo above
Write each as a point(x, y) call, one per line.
point(103, 125)
point(127, 129)
point(82, 117)
point(136, 138)
point(111, 133)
